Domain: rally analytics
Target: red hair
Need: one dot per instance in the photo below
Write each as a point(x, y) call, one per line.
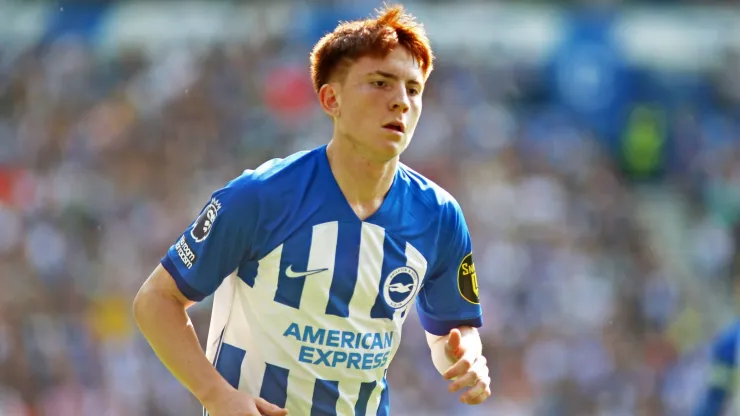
point(370, 37)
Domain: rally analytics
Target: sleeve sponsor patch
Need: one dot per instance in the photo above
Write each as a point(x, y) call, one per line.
point(187, 255)
point(467, 280)
point(204, 223)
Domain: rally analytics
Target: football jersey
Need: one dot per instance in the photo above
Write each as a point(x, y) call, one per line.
point(309, 300)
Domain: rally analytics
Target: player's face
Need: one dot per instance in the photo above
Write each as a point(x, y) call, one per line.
point(380, 103)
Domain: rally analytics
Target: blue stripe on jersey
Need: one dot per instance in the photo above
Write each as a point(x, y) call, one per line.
point(220, 344)
point(393, 257)
point(366, 389)
point(347, 258)
point(229, 363)
point(295, 256)
point(325, 396)
point(247, 272)
point(385, 401)
point(275, 385)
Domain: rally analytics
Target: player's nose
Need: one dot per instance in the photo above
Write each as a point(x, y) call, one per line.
point(401, 102)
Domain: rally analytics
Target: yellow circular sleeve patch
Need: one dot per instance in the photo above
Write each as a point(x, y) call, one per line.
point(467, 280)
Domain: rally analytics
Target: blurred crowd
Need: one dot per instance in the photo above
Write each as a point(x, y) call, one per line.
point(106, 158)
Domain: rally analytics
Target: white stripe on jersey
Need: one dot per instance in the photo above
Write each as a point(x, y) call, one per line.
point(239, 334)
point(300, 394)
point(252, 371)
point(350, 391)
point(316, 288)
point(369, 269)
point(223, 299)
point(416, 261)
point(268, 273)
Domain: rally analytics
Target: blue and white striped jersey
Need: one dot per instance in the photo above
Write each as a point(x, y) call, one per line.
point(310, 300)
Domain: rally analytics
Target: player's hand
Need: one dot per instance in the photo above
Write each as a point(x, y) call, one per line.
point(239, 403)
point(469, 370)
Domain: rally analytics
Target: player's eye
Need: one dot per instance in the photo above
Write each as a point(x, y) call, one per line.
point(379, 83)
point(414, 91)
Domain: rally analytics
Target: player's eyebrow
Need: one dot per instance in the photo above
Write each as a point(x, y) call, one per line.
point(395, 77)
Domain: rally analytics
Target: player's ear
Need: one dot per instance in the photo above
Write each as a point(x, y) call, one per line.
point(329, 99)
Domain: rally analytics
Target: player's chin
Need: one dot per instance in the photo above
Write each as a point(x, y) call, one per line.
point(388, 154)
point(392, 147)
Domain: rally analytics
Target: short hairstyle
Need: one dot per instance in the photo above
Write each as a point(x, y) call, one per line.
point(376, 37)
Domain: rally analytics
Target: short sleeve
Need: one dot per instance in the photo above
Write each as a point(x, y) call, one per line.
point(449, 298)
point(217, 241)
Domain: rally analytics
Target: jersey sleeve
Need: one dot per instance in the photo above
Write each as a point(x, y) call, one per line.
point(449, 298)
point(218, 240)
point(721, 373)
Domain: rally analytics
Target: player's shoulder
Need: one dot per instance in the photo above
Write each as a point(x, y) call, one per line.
point(426, 193)
point(268, 176)
point(285, 167)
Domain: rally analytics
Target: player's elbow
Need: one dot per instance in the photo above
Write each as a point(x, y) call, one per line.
point(144, 304)
point(151, 307)
point(156, 297)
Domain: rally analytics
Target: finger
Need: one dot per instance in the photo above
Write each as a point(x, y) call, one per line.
point(252, 411)
point(477, 372)
point(479, 399)
point(462, 366)
point(269, 409)
point(467, 380)
point(452, 348)
point(477, 394)
point(477, 389)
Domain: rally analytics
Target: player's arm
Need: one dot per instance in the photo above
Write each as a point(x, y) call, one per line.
point(719, 384)
point(443, 356)
point(194, 267)
point(458, 356)
point(160, 311)
point(449, 310)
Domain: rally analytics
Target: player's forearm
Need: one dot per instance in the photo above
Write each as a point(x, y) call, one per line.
point(167, 327)
point(442, 362)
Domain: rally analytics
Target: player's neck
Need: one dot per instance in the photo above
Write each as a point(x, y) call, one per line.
point(363, 182)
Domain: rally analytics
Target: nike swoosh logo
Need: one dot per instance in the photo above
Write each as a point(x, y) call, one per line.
point(290, 273)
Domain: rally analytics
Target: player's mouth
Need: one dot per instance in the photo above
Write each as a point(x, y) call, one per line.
point(396, 126)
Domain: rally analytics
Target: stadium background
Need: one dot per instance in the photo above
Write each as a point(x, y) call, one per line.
point(593, 147)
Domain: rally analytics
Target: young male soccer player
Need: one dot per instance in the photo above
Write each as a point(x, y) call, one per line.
point(315, 259)
point(722, 377)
